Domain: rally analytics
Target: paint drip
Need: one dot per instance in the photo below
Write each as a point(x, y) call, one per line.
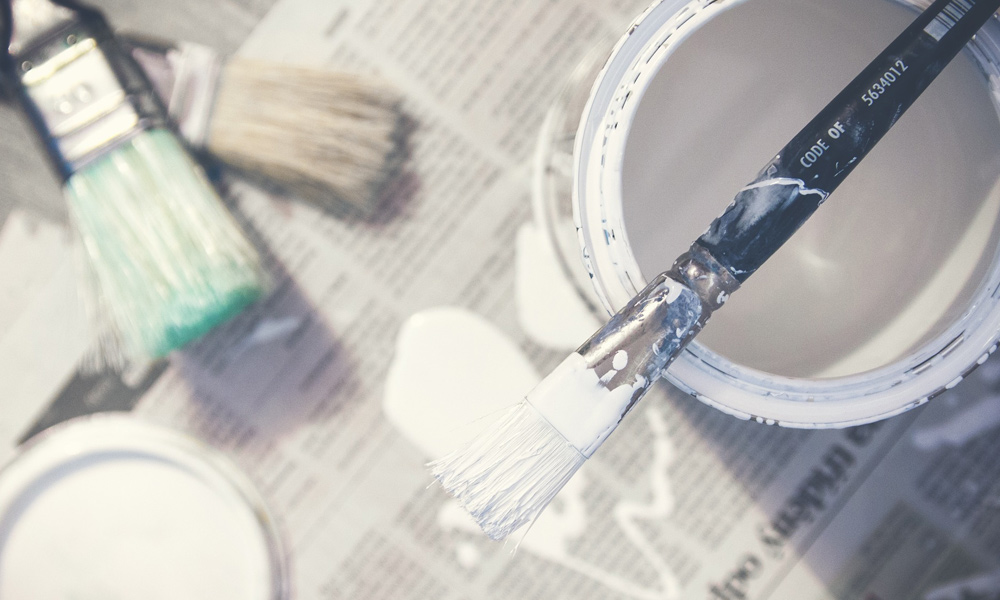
point(453, 374)
point(429, 380)
point(549, 308)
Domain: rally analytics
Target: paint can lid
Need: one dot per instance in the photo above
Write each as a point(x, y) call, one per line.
point(108, 506)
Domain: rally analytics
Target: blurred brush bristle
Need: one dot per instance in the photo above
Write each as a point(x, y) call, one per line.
point(510, 473)
point(163, 260)
point(330, 137)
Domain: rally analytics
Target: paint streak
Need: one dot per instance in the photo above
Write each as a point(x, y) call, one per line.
point(763, 214)
point(629, 514)
point(430, 381)
point(267, 331)
point(565, 521)
point(787, 181)
point(549, 307)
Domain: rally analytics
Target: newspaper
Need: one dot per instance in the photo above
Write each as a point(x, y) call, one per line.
point(681, 502)
point(39, 317)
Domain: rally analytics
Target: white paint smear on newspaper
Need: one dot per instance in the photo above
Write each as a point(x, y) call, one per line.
point(452, 362)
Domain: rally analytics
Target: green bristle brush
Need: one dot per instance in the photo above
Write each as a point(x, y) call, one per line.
point(164, 260)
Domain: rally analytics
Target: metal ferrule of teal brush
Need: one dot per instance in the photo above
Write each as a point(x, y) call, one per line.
point(165, 262)
point(85, 96)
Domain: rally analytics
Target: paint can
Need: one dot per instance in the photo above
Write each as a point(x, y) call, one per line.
point(889, 295)
point(107, 506)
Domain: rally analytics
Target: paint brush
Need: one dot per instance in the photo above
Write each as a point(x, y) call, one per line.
point(507, 476)
point(163, 260)
point(333, 138)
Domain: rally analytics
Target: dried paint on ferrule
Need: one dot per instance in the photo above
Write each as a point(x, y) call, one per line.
point(707, 277)
point(588, 394)
point(650, 331)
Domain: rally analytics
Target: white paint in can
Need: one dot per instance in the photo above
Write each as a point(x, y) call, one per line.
point(877, 282)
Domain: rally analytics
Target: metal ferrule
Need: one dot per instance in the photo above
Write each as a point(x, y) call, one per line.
point(653, 328)
point(650, 330)
point(186, 78)
point(85, 95)
point(706, 276)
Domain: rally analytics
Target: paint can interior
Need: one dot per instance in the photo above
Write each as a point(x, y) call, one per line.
point(887, 296)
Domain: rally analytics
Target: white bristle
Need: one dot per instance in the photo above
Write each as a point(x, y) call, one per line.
point(332, 137)
point(510, 473)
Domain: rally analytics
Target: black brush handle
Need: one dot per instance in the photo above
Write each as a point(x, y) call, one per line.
point(793, 185)
point(6, 30)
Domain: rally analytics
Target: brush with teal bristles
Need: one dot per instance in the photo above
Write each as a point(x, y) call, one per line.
point(164, 261)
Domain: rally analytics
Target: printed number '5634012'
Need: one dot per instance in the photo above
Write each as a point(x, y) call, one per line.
point(885, 81)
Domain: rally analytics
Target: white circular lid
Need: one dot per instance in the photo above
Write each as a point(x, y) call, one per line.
point(108, 507)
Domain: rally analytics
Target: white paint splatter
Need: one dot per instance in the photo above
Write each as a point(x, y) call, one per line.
point(266, 331)
point(422, 398)
point(566, 519)
point(549, 307)
point(757, 206)
point(787, 181)
point(629, 514)
point(452, 371)
point(468, 555)
point(620, 361)
point(674, 290)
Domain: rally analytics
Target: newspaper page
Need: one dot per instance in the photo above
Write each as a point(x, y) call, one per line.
point(682, 502)
point(45, 341)
point(39, 317)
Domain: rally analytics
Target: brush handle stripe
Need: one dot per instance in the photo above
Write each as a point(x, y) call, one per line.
point(791, 187)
